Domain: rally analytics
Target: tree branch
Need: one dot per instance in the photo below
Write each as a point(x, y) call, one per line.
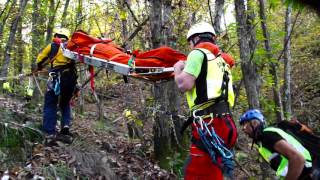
point(210, 12)
point(135, 32)
point(289, 37)
point(133, 15)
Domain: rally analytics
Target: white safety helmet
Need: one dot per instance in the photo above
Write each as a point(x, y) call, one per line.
point(202, 27)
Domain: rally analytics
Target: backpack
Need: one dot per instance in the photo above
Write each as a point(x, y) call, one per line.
point(306, 137)
point(303, 134)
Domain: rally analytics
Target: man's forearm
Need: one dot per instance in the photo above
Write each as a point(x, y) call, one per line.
point(295, 168)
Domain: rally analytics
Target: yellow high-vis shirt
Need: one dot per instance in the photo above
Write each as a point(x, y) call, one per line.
point(58, 60)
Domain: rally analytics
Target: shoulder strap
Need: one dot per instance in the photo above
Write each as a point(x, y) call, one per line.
point(206, 52)
point(54, 51)
point(201, 81)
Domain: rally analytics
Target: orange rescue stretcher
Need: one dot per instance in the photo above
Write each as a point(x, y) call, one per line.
point(156, 64)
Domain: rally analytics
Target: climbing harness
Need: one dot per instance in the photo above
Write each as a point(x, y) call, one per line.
point(54, 82)
point(213, 144)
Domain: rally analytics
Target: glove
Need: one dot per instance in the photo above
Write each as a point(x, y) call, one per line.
point(39, 66)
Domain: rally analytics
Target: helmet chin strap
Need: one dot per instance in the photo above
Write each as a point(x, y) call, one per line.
point(201, 38)
point(256, 132)
point(194, 41)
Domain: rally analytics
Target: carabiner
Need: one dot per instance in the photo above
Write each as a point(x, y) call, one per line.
point(211, 120)
point(51, 75)
point(195, 117)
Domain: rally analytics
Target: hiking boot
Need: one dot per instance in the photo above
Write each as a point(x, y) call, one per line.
point(65, 131)
point(50, 140)
point(64, 138)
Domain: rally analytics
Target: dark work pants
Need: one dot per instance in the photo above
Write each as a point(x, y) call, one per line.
point(68, 82)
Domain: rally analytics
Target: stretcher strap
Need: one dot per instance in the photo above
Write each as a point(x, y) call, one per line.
point(79, 56)
point(91, 70)
point(92, 49)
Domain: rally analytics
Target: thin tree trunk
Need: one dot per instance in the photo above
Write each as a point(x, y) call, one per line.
point(78, 18)
point(287, 65)
point(35, 32)
point(273, 65)
point(218, 16)
point(52, 15)
point(35, 39)
point(133, 129)
point(249, 69)
point(11, 39)
point(4, 16)
point(19, 59)
point(64, 14)
point(6, 5)
point(81, 97)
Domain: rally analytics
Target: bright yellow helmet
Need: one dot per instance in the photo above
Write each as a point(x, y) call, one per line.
point(62, 31)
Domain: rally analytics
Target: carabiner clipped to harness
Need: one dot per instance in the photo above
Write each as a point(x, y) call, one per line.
point(214, 144)
point(54, 82)
point(56, 88)
point(197, 118)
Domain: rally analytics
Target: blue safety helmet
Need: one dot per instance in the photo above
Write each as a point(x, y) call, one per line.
point(250, 115)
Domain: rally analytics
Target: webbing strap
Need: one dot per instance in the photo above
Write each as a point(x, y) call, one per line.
point(91, 70)
point(215, 109)
point(92, 49)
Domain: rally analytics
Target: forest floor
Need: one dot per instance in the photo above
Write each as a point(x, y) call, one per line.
point(100, 149)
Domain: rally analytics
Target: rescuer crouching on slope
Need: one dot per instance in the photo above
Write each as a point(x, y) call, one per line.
point(284, 152)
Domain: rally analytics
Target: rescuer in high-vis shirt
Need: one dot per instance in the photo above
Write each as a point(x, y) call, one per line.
point(207, 82)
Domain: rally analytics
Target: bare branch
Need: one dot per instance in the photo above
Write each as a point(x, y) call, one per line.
point(133, 15)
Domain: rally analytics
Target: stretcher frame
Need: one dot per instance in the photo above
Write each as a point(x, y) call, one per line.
point(114, 66)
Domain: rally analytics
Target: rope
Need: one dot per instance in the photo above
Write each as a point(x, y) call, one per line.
point(215, 146)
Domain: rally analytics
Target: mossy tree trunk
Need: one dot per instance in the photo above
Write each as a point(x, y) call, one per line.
point(166, 97)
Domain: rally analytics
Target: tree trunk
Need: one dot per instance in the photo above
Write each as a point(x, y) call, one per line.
point(6, 5)
point(64, 14)
point(52, 15)
point(161, 128)
point(36, 39)
point(218, 15)
point(133, 129)
point(245, 31)
point(4, 16)
point(82, 68)
point(167, 27)
point(287, 66)
point(11, 39)
point(156, 20)
point(165, 94)
point(273, 65)
point(82, 73)
point(78, 18)
point(19, 59)
point(172, 91)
